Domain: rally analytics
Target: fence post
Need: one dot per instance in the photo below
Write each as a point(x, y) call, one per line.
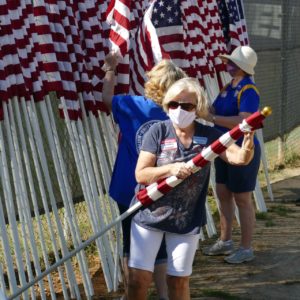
point(284, 75)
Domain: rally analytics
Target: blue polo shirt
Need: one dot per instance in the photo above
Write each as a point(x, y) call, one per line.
point(226, 104)
point(134, 115)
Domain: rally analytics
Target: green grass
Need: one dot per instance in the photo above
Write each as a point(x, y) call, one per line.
point(281, 210)
point(214, 208)
point(262, 216)
point(265, 216)
point(292, 160)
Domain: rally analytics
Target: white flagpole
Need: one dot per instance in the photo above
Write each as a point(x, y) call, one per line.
point(75, 251)
point(41, 166)
point(210, 226)
point(5, 243)
point(104, 125)
point(94, 198)
point(33, 194)
point(2, 284)
point(22, 196)
point(60, 168)
point(77, 151)
point(103, 213)
point(11, 214)
point(108, 214)
point(259, 135)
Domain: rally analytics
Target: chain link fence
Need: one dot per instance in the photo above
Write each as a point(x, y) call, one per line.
point(274, 32)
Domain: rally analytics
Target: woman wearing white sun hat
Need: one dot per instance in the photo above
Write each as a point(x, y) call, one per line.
point(234, 184)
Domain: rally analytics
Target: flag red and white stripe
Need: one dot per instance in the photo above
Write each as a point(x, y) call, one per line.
point(20, 22)
point(92, 43)
point(146, 52)
point(57, 33)
point(42, 39)
point(68, 13)
point(118, 17)
point(60, 45)
point(9, 54)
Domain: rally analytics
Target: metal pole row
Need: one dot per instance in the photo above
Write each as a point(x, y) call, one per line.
point(42, 173)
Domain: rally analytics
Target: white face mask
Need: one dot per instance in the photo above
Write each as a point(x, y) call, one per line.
point(181, 117)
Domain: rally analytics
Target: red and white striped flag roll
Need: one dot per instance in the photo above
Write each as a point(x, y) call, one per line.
point(156, 190)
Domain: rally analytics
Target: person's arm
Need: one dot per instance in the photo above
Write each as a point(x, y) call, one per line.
point(236, 155)
point(249, 104)
point(147, 173)
point(110, 65)
point(228, 122)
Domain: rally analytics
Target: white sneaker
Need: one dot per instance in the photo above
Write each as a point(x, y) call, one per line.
point(239, 256)
point(219, 248)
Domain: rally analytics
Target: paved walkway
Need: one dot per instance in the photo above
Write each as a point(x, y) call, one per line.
point(275, 273)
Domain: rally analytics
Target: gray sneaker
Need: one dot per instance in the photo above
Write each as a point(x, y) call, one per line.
point(219, 248)
point(239, 256)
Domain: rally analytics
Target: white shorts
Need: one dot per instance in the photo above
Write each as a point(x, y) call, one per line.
point(145, 243)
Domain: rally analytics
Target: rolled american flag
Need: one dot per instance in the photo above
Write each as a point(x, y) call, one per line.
point(157, 189)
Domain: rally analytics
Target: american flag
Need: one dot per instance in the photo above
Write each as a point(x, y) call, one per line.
point(9, 55)
point(233, 22)
point(191, 35)
point(167, 20)
point(73, 31)
point(20, 22)
point(119, 18)
point(3, 86)
point(120, 21)
point(243, 24)
point(43, 42)
point(60, 46)
point(93, 48)
point(57, 32)
point(146, 52)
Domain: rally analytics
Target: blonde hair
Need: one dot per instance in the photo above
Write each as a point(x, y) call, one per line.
point(190, 85)
point(160, 78)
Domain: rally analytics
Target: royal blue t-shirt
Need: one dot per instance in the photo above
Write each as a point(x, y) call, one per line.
point(134, 115)
point(226, 104)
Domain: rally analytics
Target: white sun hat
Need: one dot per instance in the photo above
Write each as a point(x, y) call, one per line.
point(244, 57)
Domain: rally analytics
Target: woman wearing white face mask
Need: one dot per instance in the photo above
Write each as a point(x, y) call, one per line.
point(180, 214)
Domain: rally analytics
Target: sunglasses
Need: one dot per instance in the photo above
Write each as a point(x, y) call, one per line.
point(183, 105)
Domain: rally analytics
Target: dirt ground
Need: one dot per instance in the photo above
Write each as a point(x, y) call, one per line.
point(275, 272)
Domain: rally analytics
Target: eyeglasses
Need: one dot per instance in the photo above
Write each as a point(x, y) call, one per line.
point(183, 105)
